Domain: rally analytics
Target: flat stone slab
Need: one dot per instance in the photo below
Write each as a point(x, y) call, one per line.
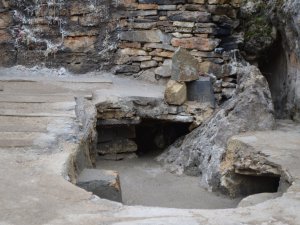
point(103, 183)
point(201, 91)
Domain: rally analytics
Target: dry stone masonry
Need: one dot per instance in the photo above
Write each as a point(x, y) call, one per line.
point(153, 30)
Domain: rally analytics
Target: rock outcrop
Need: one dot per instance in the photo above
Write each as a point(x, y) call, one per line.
point(200, 152)
point(272, 32)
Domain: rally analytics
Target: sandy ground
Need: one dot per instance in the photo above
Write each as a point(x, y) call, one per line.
point(145, 182)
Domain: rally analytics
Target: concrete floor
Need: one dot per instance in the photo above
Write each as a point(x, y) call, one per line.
point(38, 143)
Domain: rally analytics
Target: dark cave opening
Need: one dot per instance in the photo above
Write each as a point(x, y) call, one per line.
point(273, 65)
point(251, 184)
point(153, 136)
point(147, 137)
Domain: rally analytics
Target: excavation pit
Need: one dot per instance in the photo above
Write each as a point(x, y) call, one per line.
point(131, 150)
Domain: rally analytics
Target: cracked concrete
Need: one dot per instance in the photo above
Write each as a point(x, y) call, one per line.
point(39, 144)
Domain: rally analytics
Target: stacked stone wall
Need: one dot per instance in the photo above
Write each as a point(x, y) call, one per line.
point(130, 35)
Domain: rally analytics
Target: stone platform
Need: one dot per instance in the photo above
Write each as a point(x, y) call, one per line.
point(41, 141)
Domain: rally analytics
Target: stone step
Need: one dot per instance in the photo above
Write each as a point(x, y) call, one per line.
point(52, 87)
point(19, 139)
point(33, 98)
point(57, 109)
point(23, 124)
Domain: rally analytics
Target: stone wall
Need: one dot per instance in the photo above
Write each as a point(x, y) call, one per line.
point(78, 35)
point(86, 35)
point(153, 29)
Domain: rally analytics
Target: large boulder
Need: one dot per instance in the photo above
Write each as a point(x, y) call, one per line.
point(201, 151)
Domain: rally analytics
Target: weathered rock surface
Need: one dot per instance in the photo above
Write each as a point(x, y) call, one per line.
point(252, 161)
point(184, 66)
point(103, 183)
point(200, 152)
point(175, 93)
point(272, 39)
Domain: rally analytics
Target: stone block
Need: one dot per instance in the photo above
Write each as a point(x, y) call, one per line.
point(148, 64)
point(117, 146)
point(159, 53)
point(155, 36)
point(162, 2)
point(202, 44)
point(147, 6)
point(184, 66)
point(189, 16)
point(103, 183)
point(126, 69)
point(201, 91)
point(175, 93)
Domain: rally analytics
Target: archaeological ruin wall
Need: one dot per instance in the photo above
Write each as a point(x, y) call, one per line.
point(135, 35)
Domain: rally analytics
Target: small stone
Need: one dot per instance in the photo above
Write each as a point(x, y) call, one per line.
point(183, 24)
point(175, 93)
point(127, 69)
point(184, 66)
point(148, 64)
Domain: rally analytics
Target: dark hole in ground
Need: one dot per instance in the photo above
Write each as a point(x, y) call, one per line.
point(249, 184)
point(154, 136)
point(273, 65)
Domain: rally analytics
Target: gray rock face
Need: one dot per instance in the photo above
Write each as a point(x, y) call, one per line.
point(184, 66)
point(200, 152)
point(279, 29)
